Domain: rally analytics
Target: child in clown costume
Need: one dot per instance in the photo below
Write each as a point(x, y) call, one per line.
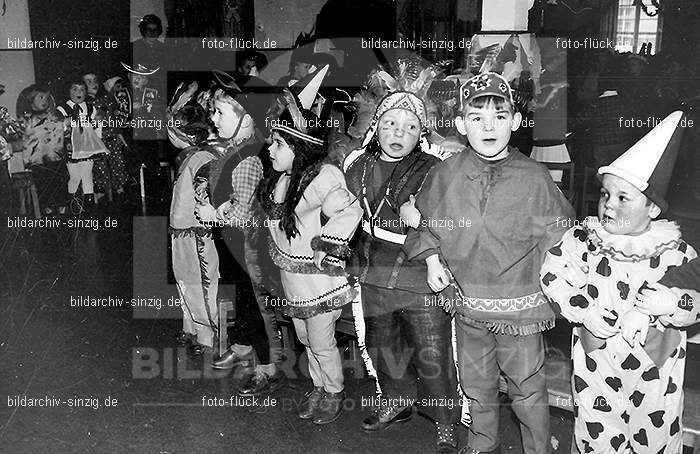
point(629, 356)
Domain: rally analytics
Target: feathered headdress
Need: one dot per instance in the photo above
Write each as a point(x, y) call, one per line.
point(408, 91)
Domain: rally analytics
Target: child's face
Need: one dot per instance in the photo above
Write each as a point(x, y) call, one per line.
point(488, 129)
point(138, 81)
point(281, 154)
point(77, 93)
point(225, 118)
point(40, 102)
point(398, 132)
point(622, 208)
point(91, 83)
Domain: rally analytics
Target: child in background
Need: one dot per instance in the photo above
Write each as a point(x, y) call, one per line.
point(108, 169)
point(83, 142)
point(401, 328)
point(489, 214)
point(43, 146)
point(294, 193)
point(629, 357)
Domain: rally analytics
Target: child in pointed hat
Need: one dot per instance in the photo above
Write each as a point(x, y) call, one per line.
point(299, 188)
point(628, 355)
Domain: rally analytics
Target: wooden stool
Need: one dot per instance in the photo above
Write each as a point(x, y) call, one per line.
point(23, 184)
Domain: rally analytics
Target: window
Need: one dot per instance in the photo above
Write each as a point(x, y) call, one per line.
point(634, 27)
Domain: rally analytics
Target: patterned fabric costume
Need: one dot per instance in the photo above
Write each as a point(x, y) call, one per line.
point(109, 169)
point(627, 399)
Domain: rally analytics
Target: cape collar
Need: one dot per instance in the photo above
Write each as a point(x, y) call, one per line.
point(662, 235)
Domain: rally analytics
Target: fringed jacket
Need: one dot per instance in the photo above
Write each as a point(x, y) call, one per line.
point(591, 267)
point(308, 290)
point(191, 184)
point(379, 258)
point(491, 224)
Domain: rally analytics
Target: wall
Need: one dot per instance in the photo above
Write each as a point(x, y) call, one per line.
point(16, 66)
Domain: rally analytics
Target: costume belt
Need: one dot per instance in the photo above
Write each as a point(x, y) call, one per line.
point(382, 234)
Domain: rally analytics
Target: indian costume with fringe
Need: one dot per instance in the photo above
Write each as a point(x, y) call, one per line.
point(491, 223)
point(195, 259)
point(310, 291)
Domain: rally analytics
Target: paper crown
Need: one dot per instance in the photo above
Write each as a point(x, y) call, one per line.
point(648, 164)
point(484, 84)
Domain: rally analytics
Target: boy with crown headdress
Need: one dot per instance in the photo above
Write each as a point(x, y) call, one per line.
point(489, 215)
point(399, 324)
point(628, 345)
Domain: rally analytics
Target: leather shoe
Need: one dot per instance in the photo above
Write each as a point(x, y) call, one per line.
point(261, 383)
point(311, 403)
point(383, 417)
point(230, 359)
point(330, 408)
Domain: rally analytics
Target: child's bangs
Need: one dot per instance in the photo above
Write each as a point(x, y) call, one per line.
point(497, 102)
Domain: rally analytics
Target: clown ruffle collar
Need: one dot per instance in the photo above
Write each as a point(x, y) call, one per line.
point(662, 235)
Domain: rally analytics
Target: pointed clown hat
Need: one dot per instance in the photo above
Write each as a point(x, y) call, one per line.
point(648, 164)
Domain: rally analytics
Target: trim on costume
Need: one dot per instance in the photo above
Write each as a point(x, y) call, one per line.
point(329, 245)
point(292, 265)
point(298, 134)
point(504, 304)
point(620, 255)
point(204, 232)
point(382, 234)
point(360, 331)
point(510, 329)
point(346, 294)
point(465, 417)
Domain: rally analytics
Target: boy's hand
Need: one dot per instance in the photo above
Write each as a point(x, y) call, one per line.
point(656, 300)
point(409, 213)
point(437, 276)
point(595, 322)
point(635, 327)
point(205, 213)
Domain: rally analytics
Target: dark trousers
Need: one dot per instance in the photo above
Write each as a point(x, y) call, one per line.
point(256, 323)
point(411, 348)
point(482, 356)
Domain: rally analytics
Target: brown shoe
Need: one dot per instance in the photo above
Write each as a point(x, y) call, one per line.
point(330, 408)
point(311, 402)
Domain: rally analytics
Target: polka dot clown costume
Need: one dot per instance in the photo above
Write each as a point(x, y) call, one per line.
point(628, 390)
